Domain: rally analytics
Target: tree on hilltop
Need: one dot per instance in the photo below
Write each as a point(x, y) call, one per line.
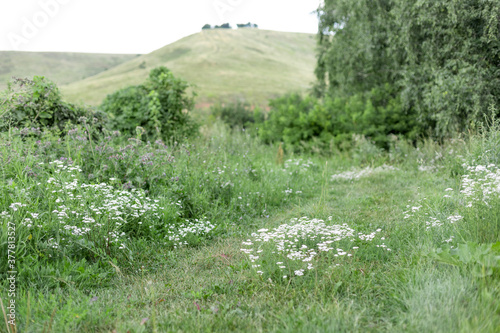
point(223, 26)
point(248, 25)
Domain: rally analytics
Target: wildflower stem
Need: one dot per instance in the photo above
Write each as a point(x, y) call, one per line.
point(90, 140)
point(5, 316)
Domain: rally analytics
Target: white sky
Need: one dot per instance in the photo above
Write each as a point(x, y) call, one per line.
point(132, 26)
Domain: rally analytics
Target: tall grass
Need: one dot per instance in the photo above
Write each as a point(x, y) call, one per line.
point(85, 205)
point(217, 234)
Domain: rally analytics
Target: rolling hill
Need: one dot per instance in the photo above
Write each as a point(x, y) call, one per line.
point(60, 67)
point(248, 64)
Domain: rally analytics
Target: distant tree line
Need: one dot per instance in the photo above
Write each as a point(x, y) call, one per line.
point(228, 26)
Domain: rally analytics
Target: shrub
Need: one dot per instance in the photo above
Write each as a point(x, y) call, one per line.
point(317, 125)
point(291, 120)
point(238, 114)
point(38, 103)
point(160, 106)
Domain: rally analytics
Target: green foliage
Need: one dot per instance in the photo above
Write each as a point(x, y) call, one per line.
point(451, 70)
point(484, 259)
point(300, 122)
point(443, 56)
point(294, 119)
point(38, 103)
point(353, 56)
point(238, 114)
point(160, 106)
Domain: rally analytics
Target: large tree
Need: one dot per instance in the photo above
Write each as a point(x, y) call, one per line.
point(353, 46)
point(443, 56)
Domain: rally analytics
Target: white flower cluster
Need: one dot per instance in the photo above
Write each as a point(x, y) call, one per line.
point(298, 164)
point(88, 210)
point(302, 240)
point(290, 191)
point(427, 168)
point(180, 233)
point(434, 222)
point(366, 172)
point(106, 207)
point(481, 183)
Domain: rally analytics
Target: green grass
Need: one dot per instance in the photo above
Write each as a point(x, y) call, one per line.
point(248, 64)
point(232, 180)
point(61, 67)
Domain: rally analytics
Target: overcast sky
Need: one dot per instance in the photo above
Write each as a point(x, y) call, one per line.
point(129, 26)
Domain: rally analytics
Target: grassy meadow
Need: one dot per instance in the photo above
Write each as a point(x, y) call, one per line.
point(222, 233)
point(259, 181)
point(224, 65)
point(61, 67)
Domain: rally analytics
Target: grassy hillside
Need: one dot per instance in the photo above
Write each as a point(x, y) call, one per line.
point(224, 64)
point(61, 67)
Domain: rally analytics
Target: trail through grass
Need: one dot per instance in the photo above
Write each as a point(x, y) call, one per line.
point(213, 288)
point(221, 236)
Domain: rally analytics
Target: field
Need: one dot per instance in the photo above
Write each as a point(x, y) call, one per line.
point(61, 67)
point(344, 182)
point(226, 234)
point(224, 65)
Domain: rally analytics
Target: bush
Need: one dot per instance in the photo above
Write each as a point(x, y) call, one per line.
point(38, 103)
point(160, 106)
point(375, 114)
point(238, 114)
point(309, 123)
point(294, 119)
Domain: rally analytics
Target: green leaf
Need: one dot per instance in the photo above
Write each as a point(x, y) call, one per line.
point(484, 258)
point(445, 257)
